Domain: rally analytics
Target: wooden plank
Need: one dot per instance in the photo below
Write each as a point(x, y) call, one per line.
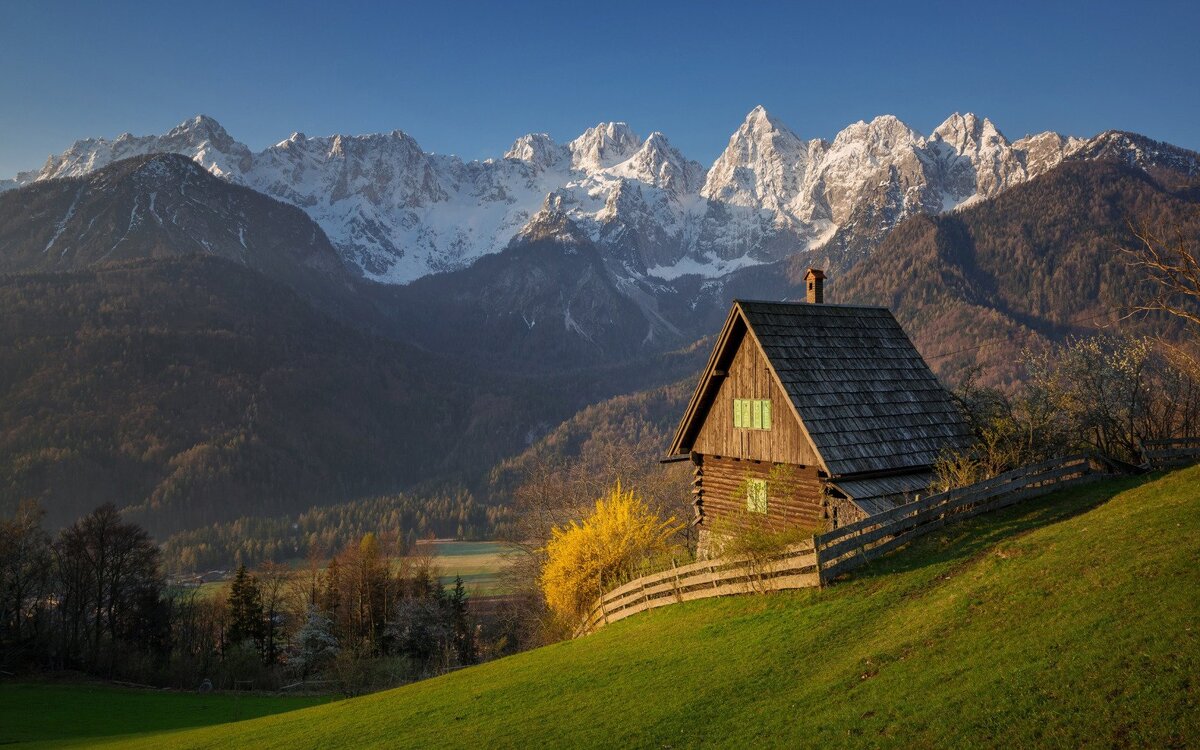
point(878, 518)
point(749, 377)
point(621, 590)
point(739, 580)
point(661, 589)
point(792, 582)
point(1008, 477)
point(620, 602)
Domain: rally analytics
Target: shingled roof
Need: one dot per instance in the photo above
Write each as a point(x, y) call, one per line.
point(866, 398)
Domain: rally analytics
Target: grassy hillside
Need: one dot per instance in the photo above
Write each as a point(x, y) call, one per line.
point(1068, 621)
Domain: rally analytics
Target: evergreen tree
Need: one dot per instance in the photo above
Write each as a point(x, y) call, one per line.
point(246, 621)
point(461, 623)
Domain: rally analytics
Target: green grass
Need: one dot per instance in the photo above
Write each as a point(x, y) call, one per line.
point(74, 714)
point(1069, 621)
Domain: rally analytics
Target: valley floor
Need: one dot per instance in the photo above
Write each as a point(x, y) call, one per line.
point(1072, 620)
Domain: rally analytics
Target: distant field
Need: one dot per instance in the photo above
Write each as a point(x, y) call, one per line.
point(66, 715)
point(479, 564)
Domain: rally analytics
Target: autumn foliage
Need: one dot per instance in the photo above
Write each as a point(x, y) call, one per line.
point(603, 549)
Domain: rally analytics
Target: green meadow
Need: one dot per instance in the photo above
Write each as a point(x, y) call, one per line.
point(1068, 621)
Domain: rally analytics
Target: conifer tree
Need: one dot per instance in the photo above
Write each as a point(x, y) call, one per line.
point(460, 620)
point(246, 622)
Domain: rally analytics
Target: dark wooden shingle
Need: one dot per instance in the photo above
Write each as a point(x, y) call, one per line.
point(866, 397)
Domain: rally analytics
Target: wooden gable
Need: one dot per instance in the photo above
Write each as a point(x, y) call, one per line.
point(738, 368)
point(749, 376)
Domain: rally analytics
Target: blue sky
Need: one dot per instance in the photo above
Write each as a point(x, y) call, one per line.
point(467, 78)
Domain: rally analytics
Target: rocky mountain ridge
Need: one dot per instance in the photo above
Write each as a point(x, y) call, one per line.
point(396, 213)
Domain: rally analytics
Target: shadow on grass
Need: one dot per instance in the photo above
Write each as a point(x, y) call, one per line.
point(84, 711)
point(963, 541)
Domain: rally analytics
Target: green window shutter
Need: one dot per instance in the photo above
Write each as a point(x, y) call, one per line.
point(756, 414)
point(766, 415)
point(756, 496)
point(746, 413)
point(737, 412)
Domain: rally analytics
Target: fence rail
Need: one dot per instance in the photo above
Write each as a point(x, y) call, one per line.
point(818, 561)
point(1170, 452)
point(793, 567)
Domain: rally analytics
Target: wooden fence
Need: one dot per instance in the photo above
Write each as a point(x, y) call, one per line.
point(853, 545)
point(792, 568)
point(818, 561)
point(1159, 454)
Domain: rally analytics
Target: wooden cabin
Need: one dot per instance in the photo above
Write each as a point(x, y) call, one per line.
point(812, 414)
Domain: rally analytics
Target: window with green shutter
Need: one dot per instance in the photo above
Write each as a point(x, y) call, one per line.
point(752, 413)
point(756, 495)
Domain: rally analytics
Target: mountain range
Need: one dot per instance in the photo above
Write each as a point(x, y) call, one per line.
point(396, 213)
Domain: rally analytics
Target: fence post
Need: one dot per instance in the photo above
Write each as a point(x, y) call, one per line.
point(817, 559)
point(603, 609)
point(675, 571)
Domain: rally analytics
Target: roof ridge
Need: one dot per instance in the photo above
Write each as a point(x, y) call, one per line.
point(796, 304)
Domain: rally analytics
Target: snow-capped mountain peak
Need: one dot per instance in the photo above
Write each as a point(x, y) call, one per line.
point(396, 213)
point(200, 137)
point(760, 120)
point(883, 136)
point(538, 150)
point(764, 162)
point(976, 160)
point(968, 132)
point(661, 165)
point(603, 146)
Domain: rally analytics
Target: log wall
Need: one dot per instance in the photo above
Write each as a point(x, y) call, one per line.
point(795, 494)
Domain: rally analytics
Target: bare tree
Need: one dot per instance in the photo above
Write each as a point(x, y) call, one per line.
point(1169, 262)
point(272, 583)
point(24, 578)
point(109, 579)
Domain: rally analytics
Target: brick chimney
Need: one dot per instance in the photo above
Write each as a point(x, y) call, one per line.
point(814, 280)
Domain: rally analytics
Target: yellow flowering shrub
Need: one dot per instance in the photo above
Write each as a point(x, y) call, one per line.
point(600, 551)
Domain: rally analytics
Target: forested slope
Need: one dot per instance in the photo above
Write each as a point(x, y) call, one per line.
point(191, 390)
point(1036, 263)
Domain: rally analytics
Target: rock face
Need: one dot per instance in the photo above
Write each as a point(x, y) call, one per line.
point(396, 213)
